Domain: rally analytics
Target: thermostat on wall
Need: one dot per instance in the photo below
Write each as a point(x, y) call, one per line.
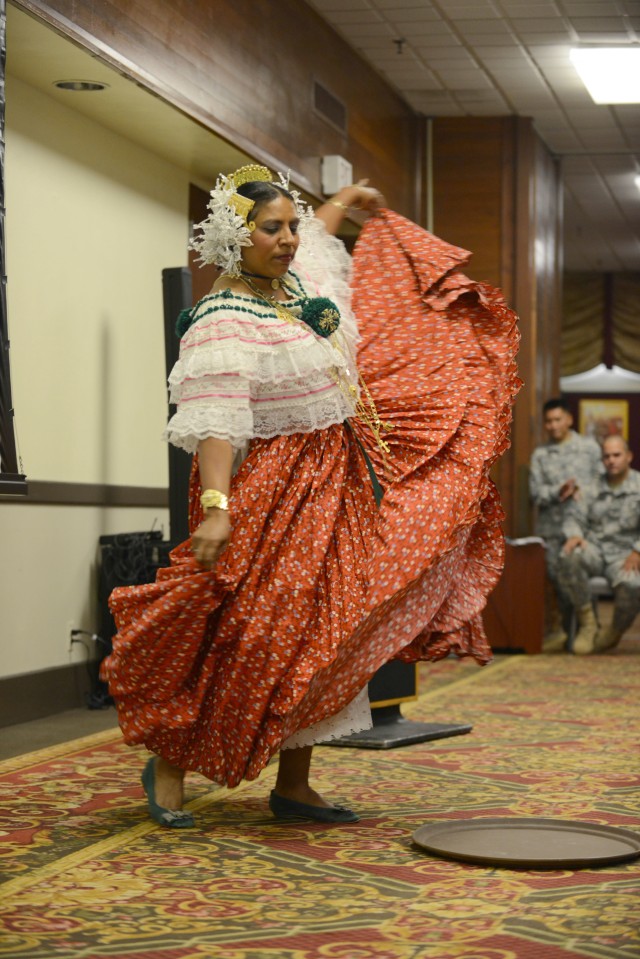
point(336, 173)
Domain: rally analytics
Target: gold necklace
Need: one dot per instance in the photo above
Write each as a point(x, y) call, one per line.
point(281, 310)
point(366, 410)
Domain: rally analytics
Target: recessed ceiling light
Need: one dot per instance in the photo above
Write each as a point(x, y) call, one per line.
point(80, 86)
point(610, 74)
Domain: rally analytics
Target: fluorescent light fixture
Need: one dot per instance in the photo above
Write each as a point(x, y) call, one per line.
point(637, 182)
point(610, 74)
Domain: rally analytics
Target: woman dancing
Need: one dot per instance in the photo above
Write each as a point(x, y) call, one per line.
point(294, 587)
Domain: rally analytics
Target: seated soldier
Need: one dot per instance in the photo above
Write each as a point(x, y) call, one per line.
point(560, 468)
point(602, 532)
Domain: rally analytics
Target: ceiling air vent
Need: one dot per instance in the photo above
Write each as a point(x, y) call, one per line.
point(329, 107)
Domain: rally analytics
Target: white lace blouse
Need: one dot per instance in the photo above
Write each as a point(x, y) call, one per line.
point(245, 372)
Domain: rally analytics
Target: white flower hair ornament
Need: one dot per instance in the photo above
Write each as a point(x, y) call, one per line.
point(304, 210)
point(225, 230)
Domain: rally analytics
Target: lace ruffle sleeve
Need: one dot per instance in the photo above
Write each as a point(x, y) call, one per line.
point(324, 265)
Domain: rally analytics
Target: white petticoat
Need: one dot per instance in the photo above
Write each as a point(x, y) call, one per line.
point(352, 719)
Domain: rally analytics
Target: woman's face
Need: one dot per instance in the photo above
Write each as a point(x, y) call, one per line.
point(274, 240)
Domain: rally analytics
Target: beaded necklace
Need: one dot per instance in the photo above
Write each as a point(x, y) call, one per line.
point(282, 311)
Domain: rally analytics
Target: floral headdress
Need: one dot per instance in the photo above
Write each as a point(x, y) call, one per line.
point(225, 230)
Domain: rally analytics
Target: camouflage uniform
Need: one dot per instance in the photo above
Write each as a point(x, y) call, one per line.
point(552, 464)
point(608, 518)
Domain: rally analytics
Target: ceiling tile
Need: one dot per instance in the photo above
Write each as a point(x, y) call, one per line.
point(434, 54)
point(549, 10)
point(530, 39)
point(355, 16)
point(550, 52)
point(598, 24)
point(462, 9)
point(580, 8)
point(464, 79)
point(389, 5)
point(357, 30)
point(408, 15)
point(331, 6)
point(507, 41)
point(472, 28)
point(532, 25)
point(592, 117)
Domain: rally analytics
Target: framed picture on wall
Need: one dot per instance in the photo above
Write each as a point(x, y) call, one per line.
point(602, 418)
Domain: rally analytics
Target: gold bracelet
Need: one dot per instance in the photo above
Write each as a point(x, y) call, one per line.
point(340, 205)
point(214, 499)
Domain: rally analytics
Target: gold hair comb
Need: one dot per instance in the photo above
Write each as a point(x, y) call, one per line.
point(241, 204)
point(253, 171)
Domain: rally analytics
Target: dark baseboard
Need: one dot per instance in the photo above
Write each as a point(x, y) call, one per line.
point(89, 494)
point(31, 696)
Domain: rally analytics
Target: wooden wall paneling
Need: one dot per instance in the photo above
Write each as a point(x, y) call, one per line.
point(524, 302)
point(505, 471)
point(536, 232)
point(245, 70)
point(476, 205)
point(496, 192)
point(468, 180)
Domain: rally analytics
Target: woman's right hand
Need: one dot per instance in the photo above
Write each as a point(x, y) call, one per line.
point(211, 537)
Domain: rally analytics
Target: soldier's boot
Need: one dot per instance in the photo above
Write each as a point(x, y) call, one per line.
point(585, 638)
point(607, 639)
point(556, 637)
point(625, 610)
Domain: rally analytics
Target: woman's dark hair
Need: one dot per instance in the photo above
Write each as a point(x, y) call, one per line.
point(261, 192)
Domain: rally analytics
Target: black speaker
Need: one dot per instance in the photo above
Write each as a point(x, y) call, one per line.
point(176, 296)
point(126, 559)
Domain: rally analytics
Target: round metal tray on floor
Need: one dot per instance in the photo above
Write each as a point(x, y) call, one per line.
point(529, 843)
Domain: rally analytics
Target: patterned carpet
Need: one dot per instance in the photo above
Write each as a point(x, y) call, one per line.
point(87, 875)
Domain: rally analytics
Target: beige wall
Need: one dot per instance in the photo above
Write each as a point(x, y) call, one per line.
point(48, 556)
point(92, 219)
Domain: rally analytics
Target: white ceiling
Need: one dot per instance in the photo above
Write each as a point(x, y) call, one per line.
point(499, 57)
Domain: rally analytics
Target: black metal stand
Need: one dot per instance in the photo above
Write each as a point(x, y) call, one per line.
point(394, 683)
point(391, 729)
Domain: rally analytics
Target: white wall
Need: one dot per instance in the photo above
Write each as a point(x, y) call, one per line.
point(92, 219)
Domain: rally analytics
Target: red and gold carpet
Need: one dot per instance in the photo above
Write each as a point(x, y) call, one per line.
point(87, 875)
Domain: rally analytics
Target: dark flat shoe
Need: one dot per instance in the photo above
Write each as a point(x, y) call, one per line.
point(172, 818)
point(290, 809)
